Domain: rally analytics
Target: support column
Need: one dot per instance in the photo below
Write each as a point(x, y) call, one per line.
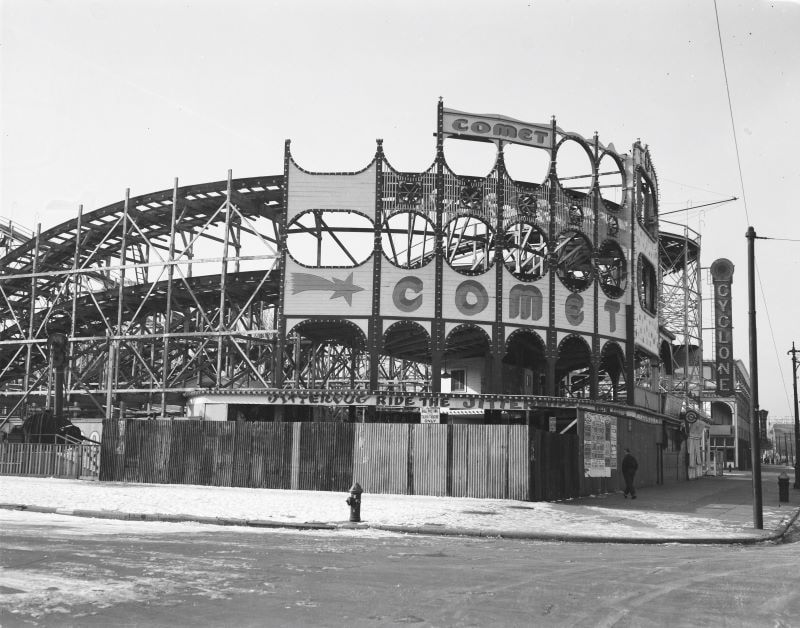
point(168, 313)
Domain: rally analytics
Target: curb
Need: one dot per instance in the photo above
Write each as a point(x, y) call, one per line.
point(775, 536)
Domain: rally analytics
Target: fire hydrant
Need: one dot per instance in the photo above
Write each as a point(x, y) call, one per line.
point(354, 501)
point(783, 487)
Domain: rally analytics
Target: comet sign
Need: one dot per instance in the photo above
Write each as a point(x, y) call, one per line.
point(338, 288)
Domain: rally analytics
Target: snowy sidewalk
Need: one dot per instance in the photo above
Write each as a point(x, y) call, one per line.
point(708, 510)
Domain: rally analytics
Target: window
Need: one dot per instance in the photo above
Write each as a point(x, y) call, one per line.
point(646, 205)
point(468, 245)
point(612, 269)
point(574, 256)
point(330, 238)
point(648, 286)
point(458, 380)
point(525, 252)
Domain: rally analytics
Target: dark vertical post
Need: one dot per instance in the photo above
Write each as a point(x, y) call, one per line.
point(551, 347)
point(168, 313)
point(437, 327)
point(223, 284)
point(755, 453)
point(796, 420)
point(375, 324)
point(498, 333)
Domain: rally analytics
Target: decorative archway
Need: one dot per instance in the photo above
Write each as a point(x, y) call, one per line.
point(467, 352)
point(574, 367)
point(327, 354)
point(611, 380)
point(524, 363)
point(405, 363)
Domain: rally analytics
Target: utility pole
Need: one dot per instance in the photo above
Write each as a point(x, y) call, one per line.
point(796, 420)
point(755, 448)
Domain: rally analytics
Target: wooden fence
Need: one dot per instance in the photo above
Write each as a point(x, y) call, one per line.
point(50, 460)
point(413, 459)
point(492, 461)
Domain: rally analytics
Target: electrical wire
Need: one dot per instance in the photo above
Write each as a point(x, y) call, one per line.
point(686, 209)
point(730, 111)
point(744, 197)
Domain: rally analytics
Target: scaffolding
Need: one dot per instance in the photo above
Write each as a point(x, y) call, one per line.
point(681, 312)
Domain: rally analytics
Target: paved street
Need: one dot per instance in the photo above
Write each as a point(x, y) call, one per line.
point(68, 571)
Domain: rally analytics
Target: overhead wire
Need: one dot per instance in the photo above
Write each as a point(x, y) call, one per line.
point(744, 198)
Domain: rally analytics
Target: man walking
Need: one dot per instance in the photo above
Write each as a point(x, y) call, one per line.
point(629, 466)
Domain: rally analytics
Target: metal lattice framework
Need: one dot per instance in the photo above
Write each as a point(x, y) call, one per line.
point(680, 309)
point(160, 297)
point(162, 300)
point(186, 289)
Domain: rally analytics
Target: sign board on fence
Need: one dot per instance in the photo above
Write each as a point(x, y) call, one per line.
point(599, 445)
point(429, 415)
point(553, 423)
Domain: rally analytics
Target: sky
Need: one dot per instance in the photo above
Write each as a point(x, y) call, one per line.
point(97, 96)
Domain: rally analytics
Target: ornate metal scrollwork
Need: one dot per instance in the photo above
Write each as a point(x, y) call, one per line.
point(409, 191)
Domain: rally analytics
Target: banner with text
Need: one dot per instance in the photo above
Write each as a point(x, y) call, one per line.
point(599, 445)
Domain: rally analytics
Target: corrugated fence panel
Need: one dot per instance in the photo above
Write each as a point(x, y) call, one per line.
point(131, 438)
point(325, 456)
point(518, 462)
point(429, 459)
point(343, 459)
point(476, 460)
point(242, 453)
point(195, 452)
point(278, 454)
point(257, 471)
point(313, 454)
point(111, 453)
point(380, 457)
point(164, 444)
point(459, 462)
point(223, 456)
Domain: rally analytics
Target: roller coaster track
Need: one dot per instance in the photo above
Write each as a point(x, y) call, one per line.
point(162, 289)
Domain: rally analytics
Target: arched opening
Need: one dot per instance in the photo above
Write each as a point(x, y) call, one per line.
point(611, 179)
point(574, 257)
point(324, 238)
point(648, 286)
point(721, 413)
point(524, 364)
point(409, 240)
point(406, 358)
point(573, 367)
point(574, 166)
point(526, 163)
point(611, 380)
point(327, 355)
point(474, 159)
point(612, 269)
point(466, 360)
point(646, 204)
point(468, 245)
point(525, 251)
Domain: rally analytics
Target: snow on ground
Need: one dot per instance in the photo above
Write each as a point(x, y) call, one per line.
point(398, 510)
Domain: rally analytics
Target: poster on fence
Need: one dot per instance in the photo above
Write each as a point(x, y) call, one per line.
point(599, 445)
point(429, 415)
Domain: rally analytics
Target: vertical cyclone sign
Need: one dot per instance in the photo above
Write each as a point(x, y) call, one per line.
point(722, 275)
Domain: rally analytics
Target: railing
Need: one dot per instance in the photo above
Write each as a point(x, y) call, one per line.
point(50, 460)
